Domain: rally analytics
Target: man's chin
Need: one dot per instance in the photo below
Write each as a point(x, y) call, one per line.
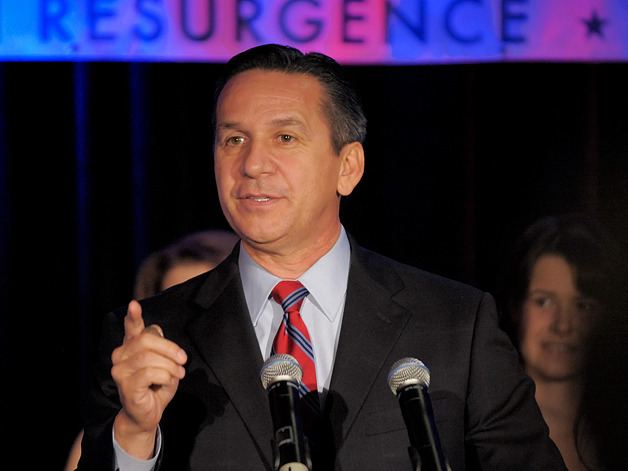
point(260, 240)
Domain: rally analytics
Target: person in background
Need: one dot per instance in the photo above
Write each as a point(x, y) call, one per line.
point(557, 286)
point(181, 260)
point(605, 386)
point(189, 256)
point(183, 392)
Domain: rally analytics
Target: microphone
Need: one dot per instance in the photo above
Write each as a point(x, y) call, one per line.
point(409, 379)
point(281, 375)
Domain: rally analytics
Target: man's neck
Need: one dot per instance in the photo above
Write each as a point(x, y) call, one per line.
point(293, 262)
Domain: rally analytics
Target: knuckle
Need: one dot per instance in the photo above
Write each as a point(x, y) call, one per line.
point(115, 373)
point(143, 358)
point(116, 354)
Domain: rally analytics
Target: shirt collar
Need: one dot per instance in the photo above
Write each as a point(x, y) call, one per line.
point(326, 280)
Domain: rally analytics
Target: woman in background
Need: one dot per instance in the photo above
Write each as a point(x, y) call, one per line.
point(557, 288)
point(185, 258)
point(189, 256)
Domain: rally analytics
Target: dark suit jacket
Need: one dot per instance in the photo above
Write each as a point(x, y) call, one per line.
point(219, 419)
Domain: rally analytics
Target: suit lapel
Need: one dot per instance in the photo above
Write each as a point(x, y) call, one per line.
point(371, 325)
point(227, 342)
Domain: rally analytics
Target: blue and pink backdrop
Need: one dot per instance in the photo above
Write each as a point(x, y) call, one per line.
point(353, 31)
point(483, 116)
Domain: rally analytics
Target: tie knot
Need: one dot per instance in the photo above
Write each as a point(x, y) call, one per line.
point(289, 294)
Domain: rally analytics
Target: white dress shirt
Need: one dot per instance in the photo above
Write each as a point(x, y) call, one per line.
point(321, 311)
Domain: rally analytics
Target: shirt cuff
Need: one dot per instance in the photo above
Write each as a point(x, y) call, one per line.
point(126, 462)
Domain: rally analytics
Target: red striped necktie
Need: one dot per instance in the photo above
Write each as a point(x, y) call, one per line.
point(292, 337)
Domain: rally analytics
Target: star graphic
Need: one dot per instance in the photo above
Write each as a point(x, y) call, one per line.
point(594, 25)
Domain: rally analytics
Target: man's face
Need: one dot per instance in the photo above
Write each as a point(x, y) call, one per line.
point(276, 171)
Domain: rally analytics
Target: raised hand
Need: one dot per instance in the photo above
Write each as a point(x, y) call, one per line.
point(147, 368)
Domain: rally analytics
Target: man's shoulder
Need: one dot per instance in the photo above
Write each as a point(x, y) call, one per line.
point(388, 271)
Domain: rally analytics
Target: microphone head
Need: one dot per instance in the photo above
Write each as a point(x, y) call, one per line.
point(280, 367)
point(408, 371)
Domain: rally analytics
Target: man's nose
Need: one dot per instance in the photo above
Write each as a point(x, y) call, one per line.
point(257, 160)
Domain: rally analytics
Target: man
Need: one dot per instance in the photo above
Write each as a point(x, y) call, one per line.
point(179, 388)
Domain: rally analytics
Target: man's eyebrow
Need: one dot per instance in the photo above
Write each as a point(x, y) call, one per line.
point(288, 121)
point(291, 122)
point(227, 125)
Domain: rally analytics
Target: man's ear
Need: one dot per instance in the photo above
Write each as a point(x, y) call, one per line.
point(351, 167)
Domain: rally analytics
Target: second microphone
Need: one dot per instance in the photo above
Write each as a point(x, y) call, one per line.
point(280, 376)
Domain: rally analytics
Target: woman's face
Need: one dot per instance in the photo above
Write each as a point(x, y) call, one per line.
point(556, 321)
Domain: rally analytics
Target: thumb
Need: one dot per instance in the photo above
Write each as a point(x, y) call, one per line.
point(133, 321)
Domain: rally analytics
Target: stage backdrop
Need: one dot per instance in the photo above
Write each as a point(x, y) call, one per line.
point(353, 31)
point(483, 116)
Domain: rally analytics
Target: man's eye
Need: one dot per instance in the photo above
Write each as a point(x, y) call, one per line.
point(286, 138)
point(235, 140)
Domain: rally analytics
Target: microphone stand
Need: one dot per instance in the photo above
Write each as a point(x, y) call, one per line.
point(415, 458)
point(430, 456)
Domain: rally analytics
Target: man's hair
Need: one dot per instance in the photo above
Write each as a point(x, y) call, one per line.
point(342, 106)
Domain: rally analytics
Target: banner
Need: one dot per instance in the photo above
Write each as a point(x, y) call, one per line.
point(352, 31)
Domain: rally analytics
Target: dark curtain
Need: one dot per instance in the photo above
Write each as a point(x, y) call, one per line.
point(101, 163)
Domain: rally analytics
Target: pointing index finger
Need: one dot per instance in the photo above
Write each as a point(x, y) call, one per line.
point(133, 321)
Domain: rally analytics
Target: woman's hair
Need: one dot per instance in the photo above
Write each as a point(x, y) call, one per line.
point(210, 246)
